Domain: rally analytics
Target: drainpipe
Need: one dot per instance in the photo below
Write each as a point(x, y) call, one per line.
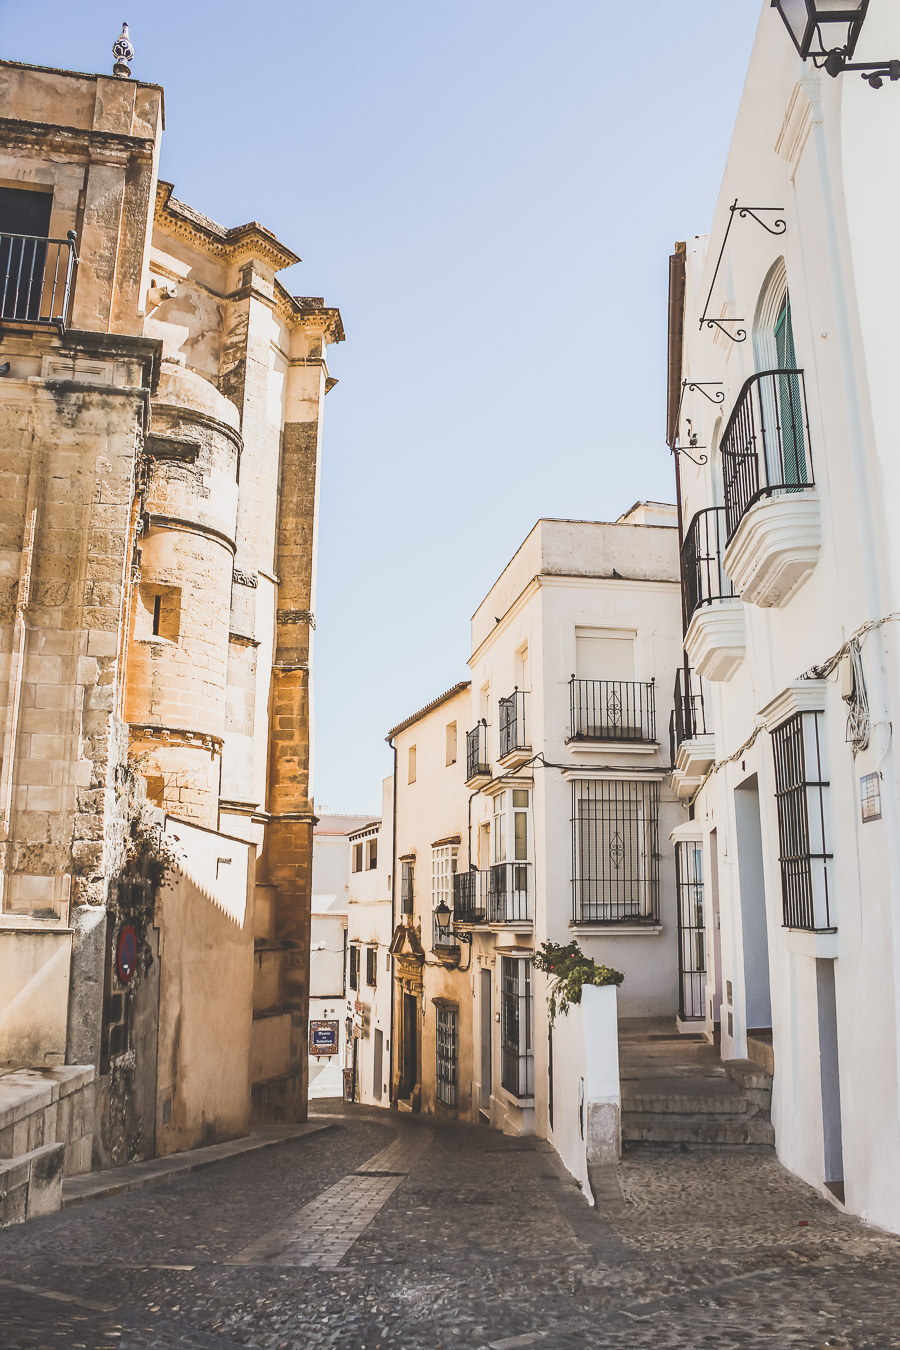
point(390, 741)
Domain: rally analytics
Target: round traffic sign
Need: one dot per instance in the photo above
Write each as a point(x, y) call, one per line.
point(126, 954)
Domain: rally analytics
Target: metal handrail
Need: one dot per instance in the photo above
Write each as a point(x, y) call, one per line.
point(765, 445)
point(703, 576)
point(612, 710)
point(37, 278)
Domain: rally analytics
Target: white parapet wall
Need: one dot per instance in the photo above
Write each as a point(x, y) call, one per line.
point(586, 1128)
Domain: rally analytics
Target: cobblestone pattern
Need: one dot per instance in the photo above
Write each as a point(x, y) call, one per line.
point(485, 1244)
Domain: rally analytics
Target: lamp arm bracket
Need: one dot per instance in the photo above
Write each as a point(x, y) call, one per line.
point(779, 226)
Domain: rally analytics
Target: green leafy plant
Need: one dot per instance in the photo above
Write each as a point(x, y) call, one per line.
point(570, 970)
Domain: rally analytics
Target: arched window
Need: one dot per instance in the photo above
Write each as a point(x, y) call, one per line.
point(781, 387)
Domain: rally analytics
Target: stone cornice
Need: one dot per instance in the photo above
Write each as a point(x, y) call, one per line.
point(800, 696)
point(15, 131)
point(251, 240)
point(142, 731)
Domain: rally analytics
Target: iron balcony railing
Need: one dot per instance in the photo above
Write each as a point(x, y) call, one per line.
point(498, 894)
point(702, 573)
point(37, 277)
point(612, 710)
point(509, 893)
point(469, 897)
point(477, 752)
point(765, 446)
point(690, 709)
point(512, 723)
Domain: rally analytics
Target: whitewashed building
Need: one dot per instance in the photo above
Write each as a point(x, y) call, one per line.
point(782, 405)
point(368, 980)
point(332, 860)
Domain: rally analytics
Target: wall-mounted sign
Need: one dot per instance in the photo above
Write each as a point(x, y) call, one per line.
point(870, 796)
point(323, 1038)
point(126, 954)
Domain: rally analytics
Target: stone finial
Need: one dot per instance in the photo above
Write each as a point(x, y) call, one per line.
point(123, 51)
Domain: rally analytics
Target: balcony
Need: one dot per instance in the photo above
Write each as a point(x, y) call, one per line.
point(478, 769)
point(501, 894)
point(771, 506)
point(692, 743)
point(715, 639)
point(612, 711)
point(37, 277)
point(469, 897)
point(509, 893)
point(514, 748)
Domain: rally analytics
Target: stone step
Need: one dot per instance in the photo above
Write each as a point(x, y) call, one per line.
point(748, 1074)
point(760, 1051)
point(651, 1128)
point(684, 1104)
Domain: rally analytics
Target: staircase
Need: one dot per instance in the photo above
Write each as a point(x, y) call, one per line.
point(676, 1090)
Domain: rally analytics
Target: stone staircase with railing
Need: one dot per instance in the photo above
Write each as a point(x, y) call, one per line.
point(677, 1091)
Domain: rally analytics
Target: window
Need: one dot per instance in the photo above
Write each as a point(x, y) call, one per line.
point(443, 870)
point(411, 777)
point(601, 655)
point(407, 886)
point(516, 1049)
point(357, 857)
point(158, 613)
point(371, 965)
point(484, 703)
point(615, 850)
point(510, 825)
point(451, 743)
point(25, 267)
point(371, 854)
point(499, 830)
point(800, 787)
point(521, 665)
point(446, 1042)
point(354, 966)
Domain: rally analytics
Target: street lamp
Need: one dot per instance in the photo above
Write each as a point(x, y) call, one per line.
point(834, 25)
point(443, 914)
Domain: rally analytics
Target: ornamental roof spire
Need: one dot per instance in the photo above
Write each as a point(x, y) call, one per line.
point(123, 51)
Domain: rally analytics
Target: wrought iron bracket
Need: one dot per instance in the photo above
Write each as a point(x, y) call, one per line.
point(680, 450)
point(874, 73)
point(778, 226)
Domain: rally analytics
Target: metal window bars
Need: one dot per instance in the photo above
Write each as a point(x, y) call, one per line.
point(612, 710)
point(703, 577)
point(615, 851)
point(37, 277)
point(691, 929)
point(765, 446)
point(446, 1055)
point(800, 788)
point(512, 723)
point(509, 893)
point(477, 761)
point(516, 1013)
point(469, 897)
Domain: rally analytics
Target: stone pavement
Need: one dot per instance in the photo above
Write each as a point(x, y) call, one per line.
point(437, 1236)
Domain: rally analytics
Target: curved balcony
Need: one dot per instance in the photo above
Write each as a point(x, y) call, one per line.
point(714, 640)
point(771, 507)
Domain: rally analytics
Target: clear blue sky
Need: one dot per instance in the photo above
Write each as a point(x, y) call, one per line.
point(489, 190)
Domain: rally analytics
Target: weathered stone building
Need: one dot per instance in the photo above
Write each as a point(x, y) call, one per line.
point(160, 417)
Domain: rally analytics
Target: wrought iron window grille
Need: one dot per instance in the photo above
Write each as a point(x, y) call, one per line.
point(615, 850)
point(765, 449)
point(756, 213)
point(446, 1042)
point(691, 930)
point(800, 796)
point(516, 1024)
point(37, 277)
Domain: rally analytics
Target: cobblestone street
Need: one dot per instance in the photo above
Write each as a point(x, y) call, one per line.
point(391, 1232)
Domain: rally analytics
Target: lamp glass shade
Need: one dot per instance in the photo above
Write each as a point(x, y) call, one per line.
point(837, 23)
point(443, 914)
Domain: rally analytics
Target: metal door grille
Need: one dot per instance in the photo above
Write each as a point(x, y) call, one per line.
point(516, 1049)
point(446, 1041)
point(691, 929)
point(615, 850)
point(800, 796)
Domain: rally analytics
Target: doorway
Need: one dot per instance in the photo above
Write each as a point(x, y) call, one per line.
point(376, 1064)
point(830, 1077)
point(410, 1061)
point(754, 921)
point(715, 922)
point(487, 1027)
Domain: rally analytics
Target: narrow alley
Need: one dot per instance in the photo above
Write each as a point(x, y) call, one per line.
point(396, 1232)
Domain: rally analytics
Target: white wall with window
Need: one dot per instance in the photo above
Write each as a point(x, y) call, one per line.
point(366, 1009)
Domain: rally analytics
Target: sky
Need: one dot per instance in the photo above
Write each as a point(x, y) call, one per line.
point(489, 191)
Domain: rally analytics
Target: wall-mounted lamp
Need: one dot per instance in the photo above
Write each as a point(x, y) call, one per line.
point(827, 31)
